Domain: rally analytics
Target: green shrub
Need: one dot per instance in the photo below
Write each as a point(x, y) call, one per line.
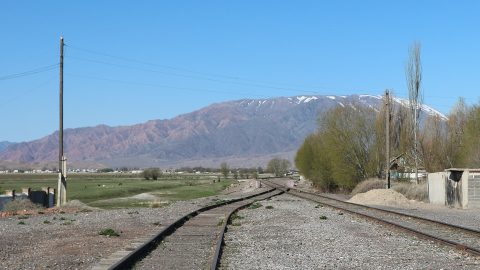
point(255, 205)
point(236, 216)
point(151, 173)
point(46, 222)
point(108, 232)
point(269, 207)
point(323, 217)
point(22, 223)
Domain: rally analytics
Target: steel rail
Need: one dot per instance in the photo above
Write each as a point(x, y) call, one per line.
point(133, 256)
point(464, 247)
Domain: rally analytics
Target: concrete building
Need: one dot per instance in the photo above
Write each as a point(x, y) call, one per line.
point(455, 187)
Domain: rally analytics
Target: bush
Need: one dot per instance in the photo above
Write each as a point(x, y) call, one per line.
point(368, 185)
point(109, 232)
point(20, 205)
point(236, 216)
point(255, 205)
point(412, 191)
point(151, 173)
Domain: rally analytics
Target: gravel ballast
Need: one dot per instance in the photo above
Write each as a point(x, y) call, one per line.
point(291, 233)
point(71, 240)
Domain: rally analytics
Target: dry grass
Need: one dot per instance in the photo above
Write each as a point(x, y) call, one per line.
point(413, 191)
point(20, 205)
point(367, 185)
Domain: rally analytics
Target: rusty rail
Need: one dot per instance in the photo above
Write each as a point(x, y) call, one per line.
point(350, 208)
point(128, 259)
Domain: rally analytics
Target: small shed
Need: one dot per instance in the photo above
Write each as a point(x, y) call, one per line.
point(455, 187)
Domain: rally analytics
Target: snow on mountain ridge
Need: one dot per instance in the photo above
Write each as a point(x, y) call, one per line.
point(425, 108)
point(306, 99)
point(364, 99)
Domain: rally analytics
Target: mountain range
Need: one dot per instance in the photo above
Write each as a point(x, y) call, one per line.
point(4, 145)
point(244, 133)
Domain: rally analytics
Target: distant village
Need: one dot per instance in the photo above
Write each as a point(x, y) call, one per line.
point(46, 171)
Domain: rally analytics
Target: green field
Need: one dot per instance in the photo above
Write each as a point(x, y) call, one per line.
point(116, 190)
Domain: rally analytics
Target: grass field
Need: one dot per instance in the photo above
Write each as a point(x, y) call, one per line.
point(119, 190)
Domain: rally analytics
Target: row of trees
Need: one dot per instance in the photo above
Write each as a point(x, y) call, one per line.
point(214, 170)
point(349, 146)
point(276, 166)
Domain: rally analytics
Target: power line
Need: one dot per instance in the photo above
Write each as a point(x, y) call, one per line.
point(29, 72)
point(28, 91)
point(195, 77)
point(196, 90)
point(232, 79)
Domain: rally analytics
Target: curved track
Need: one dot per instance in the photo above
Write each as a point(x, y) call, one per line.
point(192, 242)
point(462, 238)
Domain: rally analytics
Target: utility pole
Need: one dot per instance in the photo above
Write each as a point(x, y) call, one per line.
point(387, 137)
point(62, 162)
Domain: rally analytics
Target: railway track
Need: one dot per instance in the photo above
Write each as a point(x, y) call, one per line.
point(463, 238)
point(192, 242)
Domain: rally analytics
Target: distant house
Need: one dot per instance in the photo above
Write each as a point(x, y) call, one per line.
point(400, 169)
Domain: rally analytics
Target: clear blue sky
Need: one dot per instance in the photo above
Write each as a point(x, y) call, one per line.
point(127, 62)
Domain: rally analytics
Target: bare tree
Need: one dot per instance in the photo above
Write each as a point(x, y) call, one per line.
point(413, 73)
point(278, 167)
point(224, 169)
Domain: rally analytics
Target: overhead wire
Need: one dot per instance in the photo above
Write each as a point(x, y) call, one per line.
point(237, 79)
point(30, 90)
point(160, 85)
point(173, 67)
point(210, 76)
point(29, 72)
point(193, 76)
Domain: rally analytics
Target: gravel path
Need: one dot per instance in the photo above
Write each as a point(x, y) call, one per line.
point(291, 235)
point(72, 241)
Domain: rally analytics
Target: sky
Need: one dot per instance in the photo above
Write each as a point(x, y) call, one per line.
point(127, 62)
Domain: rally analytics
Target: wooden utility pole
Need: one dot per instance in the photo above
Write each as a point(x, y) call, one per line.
point(387, 137)
point(62, 165)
